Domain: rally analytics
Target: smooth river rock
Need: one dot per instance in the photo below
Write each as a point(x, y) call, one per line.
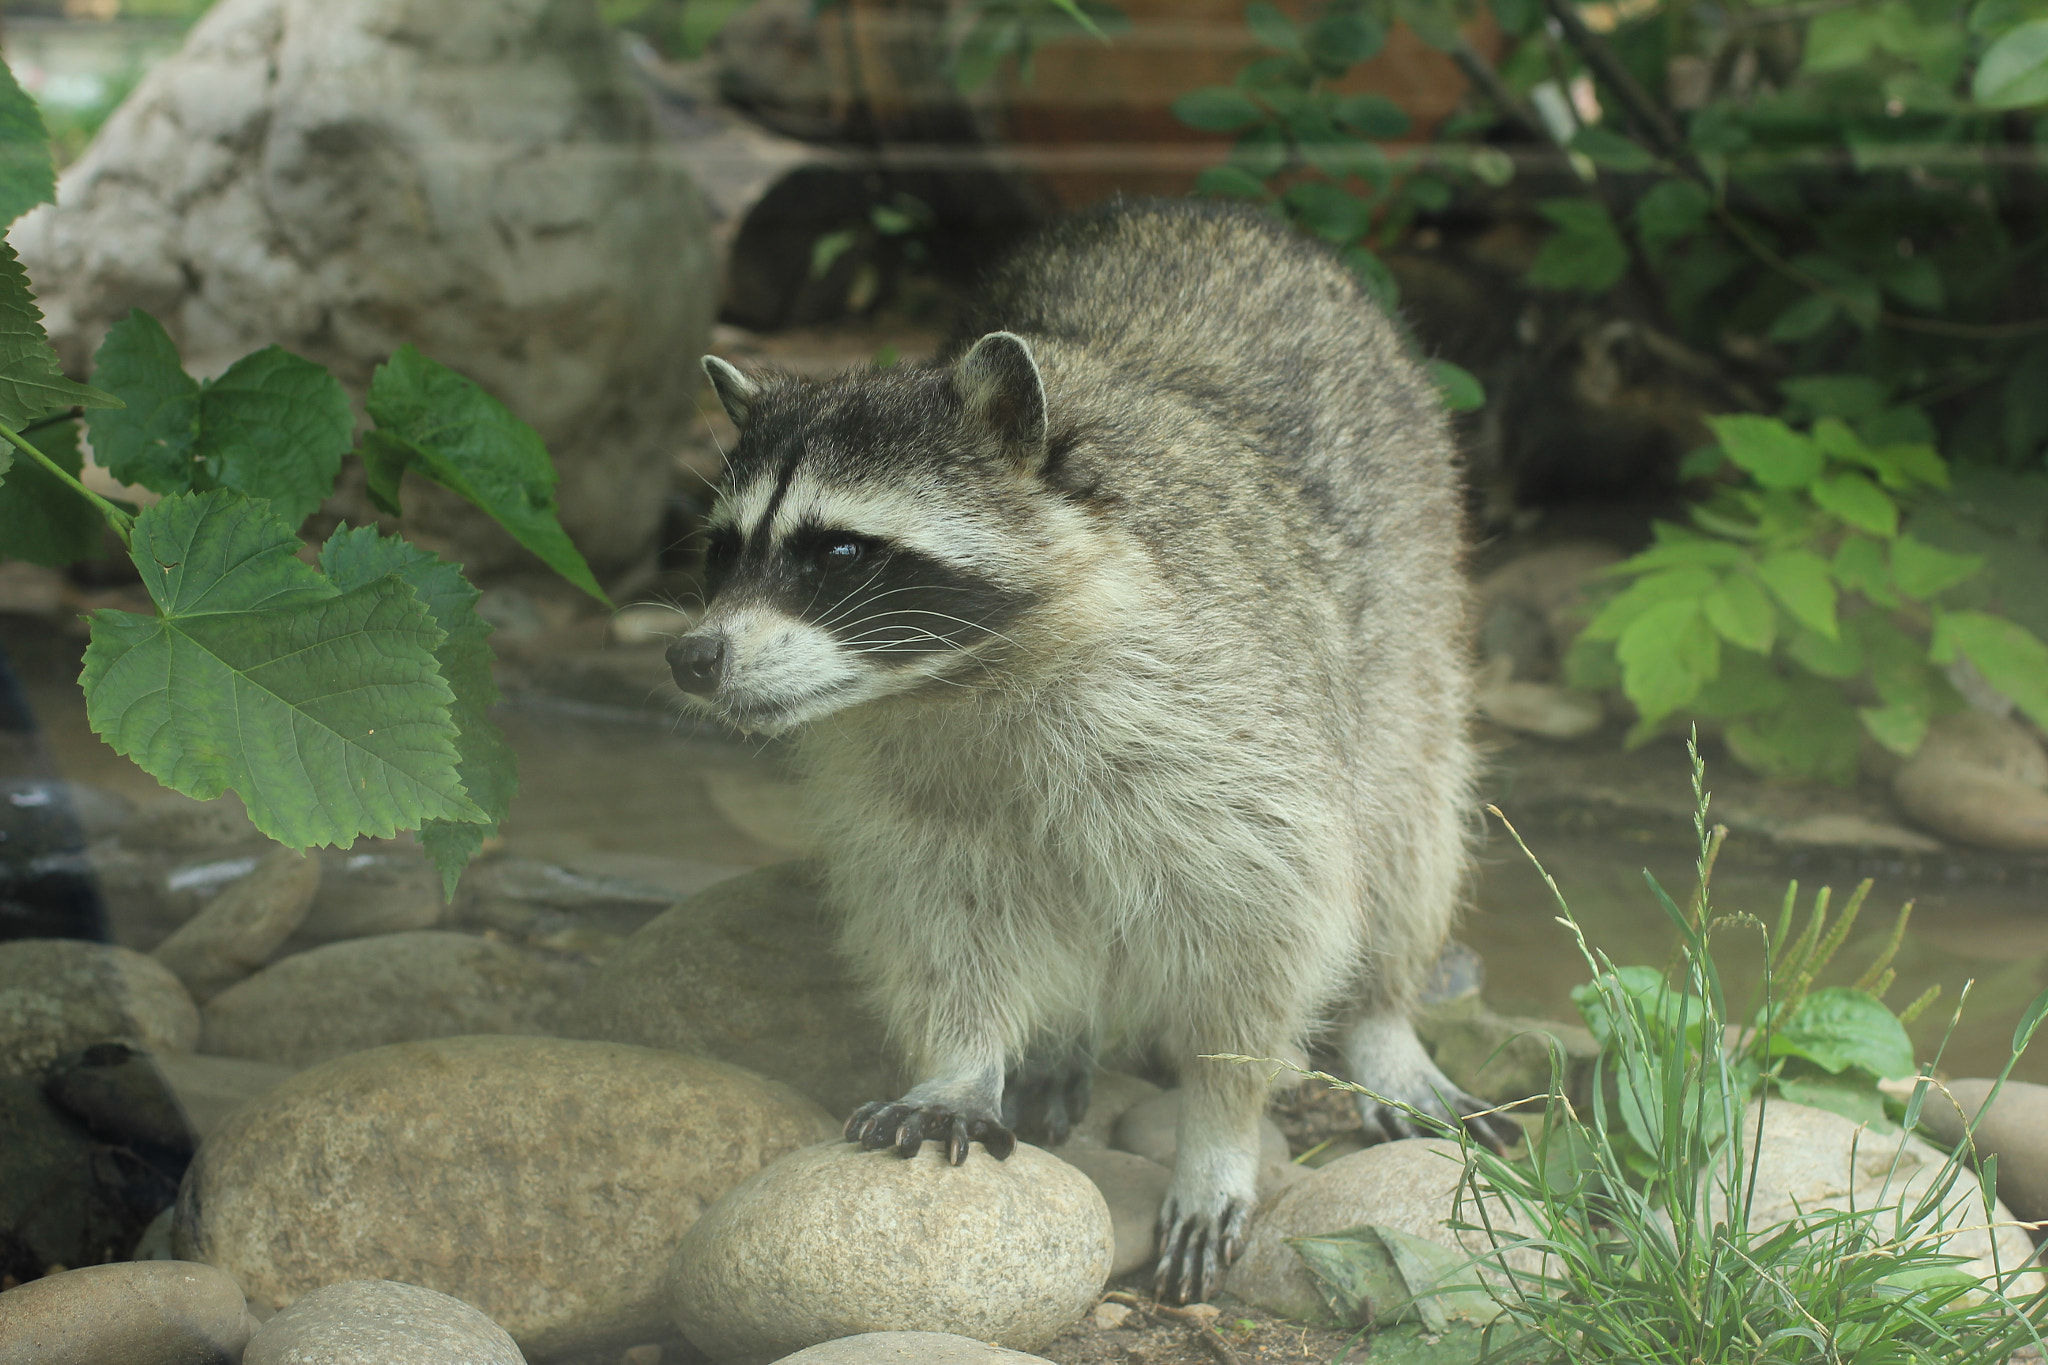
point(381, 1322)
point(60, 995)
point(2015, 1131)
point(127, 1313)
point(834, 1240)
point(541, 1180)
point(236, 932)
point(1979, 778)
point(746, 971)
point(367, 992)
point(907, 1348)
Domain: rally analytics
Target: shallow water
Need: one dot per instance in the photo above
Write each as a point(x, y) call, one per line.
point(606, 780)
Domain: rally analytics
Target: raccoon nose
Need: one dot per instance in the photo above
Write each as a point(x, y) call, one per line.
point(697, 662)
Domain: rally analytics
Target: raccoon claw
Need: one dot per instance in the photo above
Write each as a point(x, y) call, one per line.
point(1386, 1123)
point(1046, 1103)
point(905, 1127)
point(1195, 1249)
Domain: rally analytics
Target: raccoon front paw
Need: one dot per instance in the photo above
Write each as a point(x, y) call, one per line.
point(1195, 1247)
point(1386, 1122)
point(905, 1125)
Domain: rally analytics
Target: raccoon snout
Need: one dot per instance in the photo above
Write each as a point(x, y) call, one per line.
point(698, 663)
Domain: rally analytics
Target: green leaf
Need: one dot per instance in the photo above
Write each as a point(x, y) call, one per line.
point(32, 384)
point(1803, 319)
point(42, 519)
point(1921, 571)
point(1605, 147)
point(1899, 727)
point(1373, 116)
point(1271, 27)
point(1335, 215)
point(1840, 658)
point(485, 762)
point(1215, 109)
point(1799, 579)
point(149, 441)
point(2014, 69)
point(1492, 165)
point(1667, 654)
point(275, 426)
point(468, 442)
point(702, 21)
point(1859, 502)
point(1774, 454)
point(1462, 392)
point(1852, 1099)
point(26, 175)
point(1859, 566)
point(1341, 39)
point(1903, 466)
point(1586, 252)
point(1230, 182)
point(1738, 608)
point(1916, 281)
point(1837, 395)
point(1812, 734)
point(829, 248)
point(1839, 1028)
point(324, 710)
point(1671, 210)
point(2012, 658)
point(1434, 21)
point(1683, 584)
point(1839, 39)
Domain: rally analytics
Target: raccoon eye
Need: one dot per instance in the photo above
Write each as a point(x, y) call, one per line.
point(723, 548)
point(838, 554)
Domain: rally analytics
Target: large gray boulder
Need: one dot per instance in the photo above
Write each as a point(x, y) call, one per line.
point(540, 1180)
point(380, 1322)
point(59, 995)
point(133, 1312)
point(346, 176)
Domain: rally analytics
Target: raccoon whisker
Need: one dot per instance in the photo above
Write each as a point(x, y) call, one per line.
point(943, 616)
point(854, 602)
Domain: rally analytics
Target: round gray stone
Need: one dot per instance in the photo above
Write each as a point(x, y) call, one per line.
point(381, 1322)
point(542, 1180)
point(367, 992)
point(746, 971)
point(835, 1240)
point(60, 995)
point(131, 1312)
point(908, 1348)
point(236, 932)
point(2015, 1131)
point(1151, 1128)
point(1133, 1187)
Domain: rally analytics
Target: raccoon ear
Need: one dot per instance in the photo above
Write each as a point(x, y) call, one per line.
point(998, 381)
point(736, 392)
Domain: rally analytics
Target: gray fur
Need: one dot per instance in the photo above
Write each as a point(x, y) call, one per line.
point(1195, 770)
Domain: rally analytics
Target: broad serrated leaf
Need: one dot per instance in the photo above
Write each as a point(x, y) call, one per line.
point(1839, 1028)
point(2012, 658)
point(1688, 583)
point(1373, 116)
point(1837, 395)
point(1605, 147)
point(1800, 580)
point(1341, 39)
point(1812, 734)
point(1921, 571)
point(486, 764)
point(275, 426)
point(1859, 502)
point(1230, 182)
point(1667, 654)
point(1859, 566)
point(470, 443)
point(1771, 452)
point(1271, 27)
point(1840, 658)
point(325, 711)
point(1671, 210)
point(1899, 727)
point(149, 441)
point(32, 384)
point(1803, 319)
point(1742, 612)
point(1461, 389)
point(27, 177)
point(42, 519)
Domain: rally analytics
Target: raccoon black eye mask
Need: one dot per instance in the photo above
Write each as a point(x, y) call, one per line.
point(1120, 647)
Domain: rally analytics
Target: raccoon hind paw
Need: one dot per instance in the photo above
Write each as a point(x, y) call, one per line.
point(1386, 1122)
point(1044, 1103)
point(905, 1125)
point(1195, 1248)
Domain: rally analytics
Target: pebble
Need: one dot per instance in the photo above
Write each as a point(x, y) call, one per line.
point(1551, 583)
point(238, 930)
point(126, 1313)
point(542, 1180)
point(1812, 1161)
point(1981, 779)
point(833, 1240)
point(380, 1322)
point(746, 971)
point(1110, 1096)
point(909, 1348)
point(2015, 1131)
point(367, 992)
point(1543, 709)
point(1410, 1184)
point(1133, 1187)
point(61, 995)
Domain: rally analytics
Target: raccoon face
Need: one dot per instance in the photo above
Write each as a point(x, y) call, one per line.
point(872, 537)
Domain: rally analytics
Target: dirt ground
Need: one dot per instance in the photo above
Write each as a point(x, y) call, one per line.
point(1128, 1329)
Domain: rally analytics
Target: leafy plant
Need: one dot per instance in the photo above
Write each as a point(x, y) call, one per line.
point(338, 699)
point(1624, 1234)
point(1799, 610)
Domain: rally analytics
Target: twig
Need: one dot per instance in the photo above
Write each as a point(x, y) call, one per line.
point(1211, 1338)
point(1643, 111)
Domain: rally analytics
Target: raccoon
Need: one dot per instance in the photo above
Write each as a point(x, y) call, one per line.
point(1123, 650)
